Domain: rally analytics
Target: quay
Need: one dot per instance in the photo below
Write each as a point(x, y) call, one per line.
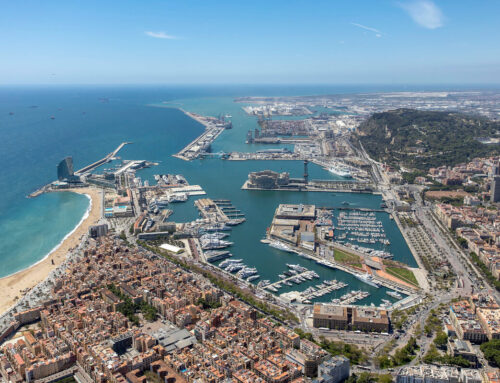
point(281, 140)
point(353, 208)
point(323, 291)
point(336, 265)
point(266, 156)
point(83, 170)
point(210, 210)
point(219, 211)
point(200, 146)
point(331, 186)
point(280, 282)
point(96, 164)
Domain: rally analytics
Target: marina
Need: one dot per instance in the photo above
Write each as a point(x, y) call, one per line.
point(351, 297)
point(361, 227)
point(296, 274)
point(322, 289)
point(219, 212)
point(257, 207)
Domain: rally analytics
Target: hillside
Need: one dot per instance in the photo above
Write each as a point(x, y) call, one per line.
point(425, 139)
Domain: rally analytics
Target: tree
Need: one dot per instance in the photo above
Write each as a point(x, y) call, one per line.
point(491, 351)
point(441, 339)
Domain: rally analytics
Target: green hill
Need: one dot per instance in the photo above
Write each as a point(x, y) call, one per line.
point(425, 139)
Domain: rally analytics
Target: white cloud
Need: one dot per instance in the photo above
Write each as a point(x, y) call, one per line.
point(425, 13)
point(160, 35)
point(376, 31)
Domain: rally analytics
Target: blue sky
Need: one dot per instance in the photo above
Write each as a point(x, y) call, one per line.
point(273, 41)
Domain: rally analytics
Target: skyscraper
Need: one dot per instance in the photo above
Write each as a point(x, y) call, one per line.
point(495, 189)
point(65, 170)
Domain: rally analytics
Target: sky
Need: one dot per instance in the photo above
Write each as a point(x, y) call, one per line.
point(237, 41)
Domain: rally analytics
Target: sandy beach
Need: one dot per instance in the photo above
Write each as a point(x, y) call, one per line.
point(13, 286)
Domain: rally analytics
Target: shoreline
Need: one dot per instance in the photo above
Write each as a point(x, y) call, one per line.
point(84, 217)
point(14, 286)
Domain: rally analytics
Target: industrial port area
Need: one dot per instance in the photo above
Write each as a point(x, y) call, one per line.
point(172, 292)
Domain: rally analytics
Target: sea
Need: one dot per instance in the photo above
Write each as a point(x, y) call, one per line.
point(39, 126)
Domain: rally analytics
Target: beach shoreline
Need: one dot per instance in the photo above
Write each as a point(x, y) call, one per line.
point(14, 286)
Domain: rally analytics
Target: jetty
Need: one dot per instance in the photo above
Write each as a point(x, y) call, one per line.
point(98, 163)
point(86, 169)
point(200, 146)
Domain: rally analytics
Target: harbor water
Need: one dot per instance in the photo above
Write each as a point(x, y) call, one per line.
point(89, 123)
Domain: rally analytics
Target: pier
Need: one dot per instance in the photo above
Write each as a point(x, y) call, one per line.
point(331, 186)
point(219, 211)
point(327, 289)
point(96, 164)
point(200, 146)
point(336, 265)
point(291, 278)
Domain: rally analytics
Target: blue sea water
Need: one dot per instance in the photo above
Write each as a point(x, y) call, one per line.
point(90, 122)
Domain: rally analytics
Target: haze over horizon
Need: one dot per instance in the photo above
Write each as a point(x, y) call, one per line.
point(227, 42)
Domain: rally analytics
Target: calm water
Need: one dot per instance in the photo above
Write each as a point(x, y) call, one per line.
point(89, 123)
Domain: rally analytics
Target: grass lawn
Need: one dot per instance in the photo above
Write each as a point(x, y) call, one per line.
point(403, 274)
point(343, 257)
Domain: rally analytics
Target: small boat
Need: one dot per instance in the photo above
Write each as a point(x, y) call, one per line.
point(394, 294)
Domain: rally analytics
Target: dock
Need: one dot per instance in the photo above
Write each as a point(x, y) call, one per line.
point(219, 211)
point(83, 170)
point(336, 265)
point(200, 146)
point(98, 163)
point(281, 281)
point(328, 186)
point(335, 285)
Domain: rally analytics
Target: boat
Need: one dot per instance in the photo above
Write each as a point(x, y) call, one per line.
point(213, 256)
point(253, 277)
point(215, 244)
point(246, 272)
point(343, 172)
point(280, 246)
point(230, 262)
point(272, 288)
point(217, 227)
point(234, 268)
point(325, 263)
point(236, 221)
point(367, 278)
point(394, 294)
point(213, 236)
point(179, 197)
